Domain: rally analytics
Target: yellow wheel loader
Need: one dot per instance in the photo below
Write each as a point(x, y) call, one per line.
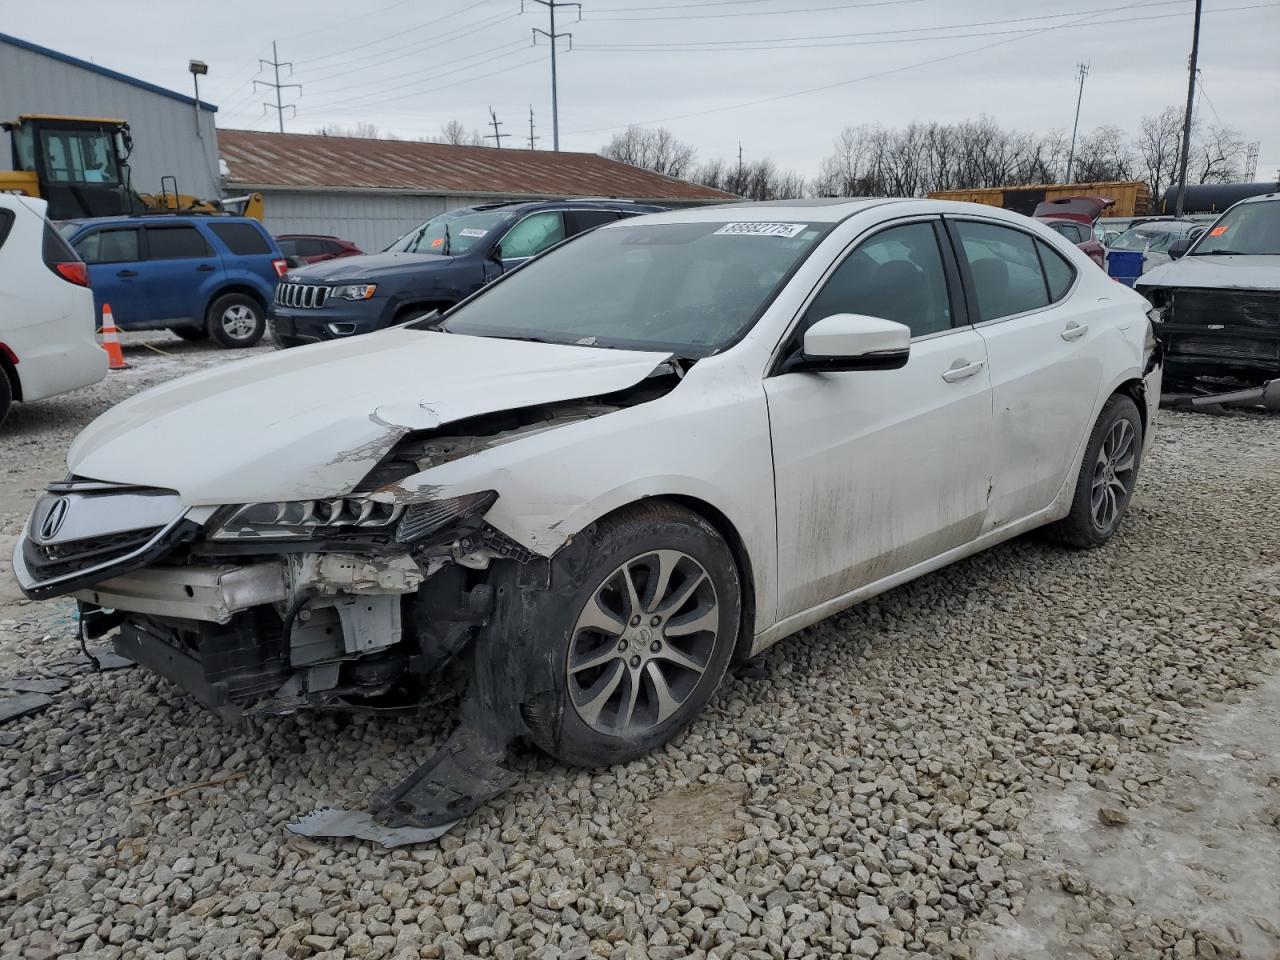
point(80, 166)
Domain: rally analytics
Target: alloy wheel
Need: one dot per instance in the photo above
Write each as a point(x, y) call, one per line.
point(1113, 474)
point(642, 643)
point(239, 321)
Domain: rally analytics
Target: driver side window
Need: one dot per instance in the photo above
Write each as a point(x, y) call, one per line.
point(896, 275)
point(532, 235)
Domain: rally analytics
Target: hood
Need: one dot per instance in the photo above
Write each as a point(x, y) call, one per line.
point(1218, 272)
point(1080, 209)
point(311, 422)
point(367, 266)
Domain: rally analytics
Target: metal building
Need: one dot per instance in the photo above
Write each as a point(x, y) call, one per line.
point(374, 191)
point(172, 136)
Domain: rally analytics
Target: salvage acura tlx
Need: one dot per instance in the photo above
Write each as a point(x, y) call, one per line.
point(587, 490)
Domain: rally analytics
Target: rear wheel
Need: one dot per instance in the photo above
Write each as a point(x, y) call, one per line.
point(193, 334)
point(1107, 476)
point(638, 648)
point(236, 320)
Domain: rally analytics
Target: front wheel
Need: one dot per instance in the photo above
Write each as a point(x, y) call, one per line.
point(236, 320)
point(1107, 476)
point(637, 649)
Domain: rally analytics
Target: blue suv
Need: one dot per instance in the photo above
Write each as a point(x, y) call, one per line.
point(432, 267)
point(199, 275)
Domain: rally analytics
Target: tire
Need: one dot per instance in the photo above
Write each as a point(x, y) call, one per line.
point(6, 394)
point(1111, 463)
point(578, 653)
point(193, 334)
point(236, 320)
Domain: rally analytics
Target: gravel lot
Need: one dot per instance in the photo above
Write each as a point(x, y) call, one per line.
point(1034, 753)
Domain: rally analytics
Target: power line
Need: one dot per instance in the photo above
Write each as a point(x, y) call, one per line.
point(396, 35)
point(496, 135)
point(393, 81)
point(280, 106)
point(875, 33)
point(445, 86)
point(551, 35)
point(755, 13)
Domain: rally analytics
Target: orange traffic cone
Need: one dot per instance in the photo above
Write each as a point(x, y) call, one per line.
point(111, 340)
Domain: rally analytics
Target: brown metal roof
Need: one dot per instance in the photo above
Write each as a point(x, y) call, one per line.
point(313, 161)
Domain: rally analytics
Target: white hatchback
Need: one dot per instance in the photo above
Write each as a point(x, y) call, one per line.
point(586, 490)
point(47, 343)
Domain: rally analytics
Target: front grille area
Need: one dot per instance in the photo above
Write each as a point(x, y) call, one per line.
point(1257, 309)
point(46, 562)
point(304, 295)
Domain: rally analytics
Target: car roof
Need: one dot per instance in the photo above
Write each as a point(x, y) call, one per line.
point(591, 203)
point(153, 218)
point(1261, 198)
point(308, 236)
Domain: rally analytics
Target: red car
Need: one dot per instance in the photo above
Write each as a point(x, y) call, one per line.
point(1073, 217)
point(301, 248)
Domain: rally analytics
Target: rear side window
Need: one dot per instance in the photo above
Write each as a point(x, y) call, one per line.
point(1070, 231)
point(55, 249)
point(1004, 267)
point(288, 247)
point(109, 246)
point(1058, 274)
point(242, 239)
point(6, 224)
point(176, 243)
point(580, 220)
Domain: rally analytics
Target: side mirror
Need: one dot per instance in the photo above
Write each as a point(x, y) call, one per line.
point(851, 341)
point(1179, 247)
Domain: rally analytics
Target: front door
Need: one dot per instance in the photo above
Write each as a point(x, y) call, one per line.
point(876, 471)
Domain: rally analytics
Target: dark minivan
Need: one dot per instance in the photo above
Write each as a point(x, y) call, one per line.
point(432, 267)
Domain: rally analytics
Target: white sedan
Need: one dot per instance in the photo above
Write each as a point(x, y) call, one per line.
point(47, 343)
point(656, 450)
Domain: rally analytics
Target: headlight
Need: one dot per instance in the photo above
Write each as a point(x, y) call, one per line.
point(293, 519)
point(354, 291)
point(348, 516)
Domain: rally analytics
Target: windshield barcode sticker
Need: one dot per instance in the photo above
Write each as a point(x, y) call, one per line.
point(785, 230)
point(472, 232)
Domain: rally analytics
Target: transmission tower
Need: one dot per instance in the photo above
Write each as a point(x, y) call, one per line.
point(1251, 161)
point(552, 6)
point(279, 106)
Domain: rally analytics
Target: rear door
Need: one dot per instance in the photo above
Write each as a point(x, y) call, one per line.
point(115, 256)
point(1043, 339)
point(180, 265)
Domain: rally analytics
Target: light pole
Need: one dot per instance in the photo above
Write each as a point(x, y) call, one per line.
point(198, 69)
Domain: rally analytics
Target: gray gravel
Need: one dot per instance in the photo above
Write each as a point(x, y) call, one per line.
point(867, 799)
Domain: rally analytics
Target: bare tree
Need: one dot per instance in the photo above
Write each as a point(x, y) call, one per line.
point(1216, 156)
point(453, 132)
point(1105, 154)
point(654, 149)
point(362, 130)
point(1158, 143)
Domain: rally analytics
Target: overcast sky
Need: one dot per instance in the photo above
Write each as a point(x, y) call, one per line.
point(781, 76)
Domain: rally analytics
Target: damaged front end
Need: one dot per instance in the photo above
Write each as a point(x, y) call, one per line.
point(1221, 345)
point(371, 601)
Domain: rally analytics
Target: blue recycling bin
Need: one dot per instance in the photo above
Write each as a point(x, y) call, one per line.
point(1125, 265)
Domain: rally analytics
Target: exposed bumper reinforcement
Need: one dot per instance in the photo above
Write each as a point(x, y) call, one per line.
point(212, 594)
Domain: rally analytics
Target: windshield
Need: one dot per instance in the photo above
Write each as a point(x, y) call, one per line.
point(1250, 228)
point(79, 156)
point(1148, 238)
point(465, 229)
point(685, 288)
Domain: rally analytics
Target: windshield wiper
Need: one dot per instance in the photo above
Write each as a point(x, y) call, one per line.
point(1223, 253)
point(445, 250)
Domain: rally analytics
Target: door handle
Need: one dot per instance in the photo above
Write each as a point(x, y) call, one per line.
point(126, 273)
point(1074, 331)
point(206, 268)
point(962, 369)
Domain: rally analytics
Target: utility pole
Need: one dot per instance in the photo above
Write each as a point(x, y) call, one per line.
point(1083, 71)
point(1186, 120)
point(552, 6)
point(532, 138)
point(739, 159)
point(496, 135)
point(279, 106)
